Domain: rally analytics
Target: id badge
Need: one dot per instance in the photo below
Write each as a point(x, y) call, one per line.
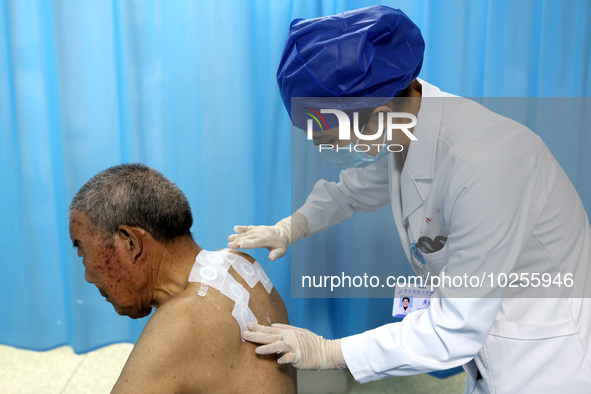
point(411, 298)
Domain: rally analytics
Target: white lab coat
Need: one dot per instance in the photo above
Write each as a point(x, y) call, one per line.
point(402, 311)
point(493, 188)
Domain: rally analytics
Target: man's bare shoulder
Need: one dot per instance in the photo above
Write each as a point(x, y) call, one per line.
point(184, 345)
point(197, 324)
point(207, 314)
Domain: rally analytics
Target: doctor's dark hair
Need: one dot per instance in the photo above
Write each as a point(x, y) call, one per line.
point(401, 103)
point(406, 298)
point(403, 100)
point(134, 195)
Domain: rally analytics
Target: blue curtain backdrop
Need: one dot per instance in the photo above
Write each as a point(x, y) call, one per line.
point(188, 87)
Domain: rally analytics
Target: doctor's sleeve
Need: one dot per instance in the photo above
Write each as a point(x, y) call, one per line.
point(490, 207)
point(359, 190)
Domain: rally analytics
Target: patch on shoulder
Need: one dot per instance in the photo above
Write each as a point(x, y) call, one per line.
point(211, 270)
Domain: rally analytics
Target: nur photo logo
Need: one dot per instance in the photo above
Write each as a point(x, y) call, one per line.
point(345, 127)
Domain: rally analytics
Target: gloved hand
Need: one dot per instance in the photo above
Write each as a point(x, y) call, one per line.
point(300, 347)
point(276, 238)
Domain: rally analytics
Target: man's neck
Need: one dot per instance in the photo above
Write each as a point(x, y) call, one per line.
point(172, 269)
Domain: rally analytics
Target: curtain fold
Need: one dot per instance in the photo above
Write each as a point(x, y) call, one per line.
point(188, 87)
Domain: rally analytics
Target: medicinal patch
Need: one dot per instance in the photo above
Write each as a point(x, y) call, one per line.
point(211, 270)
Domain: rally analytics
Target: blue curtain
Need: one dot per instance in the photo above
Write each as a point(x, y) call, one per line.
point(188, 88)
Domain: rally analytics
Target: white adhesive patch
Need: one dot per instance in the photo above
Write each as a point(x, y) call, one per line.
point(203, 290)
point(211, 270)
point(215, 259)
point(244, 269)
point(243, 315)
point(234, 290)
point(252, 273)
point(260, 273)
point(208, 276)
point(208, 273)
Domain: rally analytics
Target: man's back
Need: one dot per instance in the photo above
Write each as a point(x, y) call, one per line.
point(192, 343)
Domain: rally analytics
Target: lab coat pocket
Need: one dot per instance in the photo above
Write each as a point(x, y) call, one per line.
point(521, 331)
point(436, 261)
point(544, 358)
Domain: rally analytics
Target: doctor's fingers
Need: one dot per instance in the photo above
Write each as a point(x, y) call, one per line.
point(240, 239)
point(260, 337)
point(282, 326)
point(290, 358)
point(242, 229)
point(234, 237)
point(275, 348)
point(277, 253)
point(258, 333)
point(251, 242)
point(254, 327)
point(264, 335)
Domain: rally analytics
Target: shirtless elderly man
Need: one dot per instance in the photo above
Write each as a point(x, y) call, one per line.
point(131, 225)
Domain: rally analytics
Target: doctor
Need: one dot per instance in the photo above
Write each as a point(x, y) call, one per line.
point(404, 308)
point(484, 183)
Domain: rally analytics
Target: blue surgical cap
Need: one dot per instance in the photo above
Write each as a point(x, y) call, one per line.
point(369, 52)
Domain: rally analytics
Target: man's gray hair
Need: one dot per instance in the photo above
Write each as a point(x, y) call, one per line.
point(135, 195)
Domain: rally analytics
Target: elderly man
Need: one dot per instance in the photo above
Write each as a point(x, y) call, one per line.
point(131, 225)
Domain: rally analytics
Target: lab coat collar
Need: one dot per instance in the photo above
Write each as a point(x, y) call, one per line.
point(420, 160)
point(395, 163)
point(421, 153)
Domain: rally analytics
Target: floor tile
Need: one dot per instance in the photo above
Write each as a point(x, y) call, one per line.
point(99, 370)
point(25, 371)
point(417, 384)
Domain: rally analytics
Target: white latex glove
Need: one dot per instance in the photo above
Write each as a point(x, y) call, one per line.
point(276, 238)
point(300, 347)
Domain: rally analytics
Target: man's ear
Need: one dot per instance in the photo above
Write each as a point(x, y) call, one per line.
point(132, 240)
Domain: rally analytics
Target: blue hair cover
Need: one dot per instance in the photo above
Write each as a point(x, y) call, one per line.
point(370, 52)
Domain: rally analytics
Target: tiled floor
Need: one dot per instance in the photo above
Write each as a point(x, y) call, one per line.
point(62, 371)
